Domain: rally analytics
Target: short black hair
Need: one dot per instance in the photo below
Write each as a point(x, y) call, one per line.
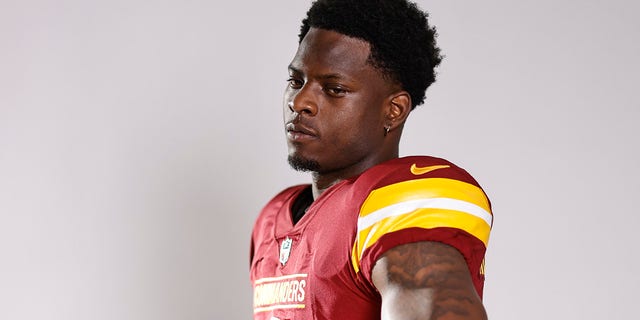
point(403, 45)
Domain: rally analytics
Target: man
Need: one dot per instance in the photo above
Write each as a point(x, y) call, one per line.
point(373, 236)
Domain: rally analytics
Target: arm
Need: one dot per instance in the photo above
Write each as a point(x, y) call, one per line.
point(426, 280)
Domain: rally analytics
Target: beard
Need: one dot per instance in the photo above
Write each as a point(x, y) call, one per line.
point(303, 164)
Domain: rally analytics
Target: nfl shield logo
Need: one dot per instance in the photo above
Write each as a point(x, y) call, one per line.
point(285, 250)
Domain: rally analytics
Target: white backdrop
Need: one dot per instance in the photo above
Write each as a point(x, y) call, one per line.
point(139, 139)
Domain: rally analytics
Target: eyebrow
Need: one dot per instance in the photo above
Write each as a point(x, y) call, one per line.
point(327, 76)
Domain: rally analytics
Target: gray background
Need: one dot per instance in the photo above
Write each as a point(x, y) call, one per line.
point(139, 139)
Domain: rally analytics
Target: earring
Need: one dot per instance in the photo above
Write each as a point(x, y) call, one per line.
point(386, 130)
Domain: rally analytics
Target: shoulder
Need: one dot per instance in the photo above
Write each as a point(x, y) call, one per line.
point(270, 210)
point(414, 168)
point(282, 197)
point(419, 177)
point(420, 198)
point(285, 194)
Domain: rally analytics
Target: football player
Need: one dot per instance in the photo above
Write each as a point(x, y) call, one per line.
point(374, 236)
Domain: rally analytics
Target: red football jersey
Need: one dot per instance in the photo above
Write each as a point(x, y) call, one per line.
point(320, 268)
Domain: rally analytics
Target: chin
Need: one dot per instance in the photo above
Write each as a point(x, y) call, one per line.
point(303, 164)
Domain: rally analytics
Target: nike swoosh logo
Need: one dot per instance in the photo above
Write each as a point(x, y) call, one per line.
point(422, 170)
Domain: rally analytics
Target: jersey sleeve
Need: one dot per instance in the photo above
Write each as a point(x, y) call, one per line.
point(446, 206)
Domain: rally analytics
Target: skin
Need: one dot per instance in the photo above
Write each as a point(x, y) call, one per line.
point(335, 93)
point(426, 280)
point(336, 109)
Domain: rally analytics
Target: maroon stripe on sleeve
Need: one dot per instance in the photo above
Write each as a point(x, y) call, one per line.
point(470, 247)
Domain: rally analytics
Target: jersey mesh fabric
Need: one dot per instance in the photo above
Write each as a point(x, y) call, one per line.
point(320, 267)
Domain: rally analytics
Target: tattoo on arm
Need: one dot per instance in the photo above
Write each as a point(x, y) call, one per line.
point(436, 274)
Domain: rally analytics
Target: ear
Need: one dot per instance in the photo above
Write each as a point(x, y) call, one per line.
point(398, 109)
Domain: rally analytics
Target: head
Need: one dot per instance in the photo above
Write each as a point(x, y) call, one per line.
point(360, 68)
point(403, 45)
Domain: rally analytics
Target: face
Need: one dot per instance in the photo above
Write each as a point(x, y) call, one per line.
point(335, 105)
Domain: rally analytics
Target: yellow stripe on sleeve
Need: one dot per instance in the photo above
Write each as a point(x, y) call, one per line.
point(426, 218)
point(424, 203)
point(424, 189)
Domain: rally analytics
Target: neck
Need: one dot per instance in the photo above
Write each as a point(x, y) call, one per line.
point(324, 180)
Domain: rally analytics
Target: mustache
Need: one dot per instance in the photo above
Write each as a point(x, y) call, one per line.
point(302, 125)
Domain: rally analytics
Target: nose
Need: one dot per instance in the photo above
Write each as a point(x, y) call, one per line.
point(303, 102)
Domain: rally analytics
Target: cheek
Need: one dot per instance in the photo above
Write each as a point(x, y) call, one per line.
point(365, 123)
point(355, 131)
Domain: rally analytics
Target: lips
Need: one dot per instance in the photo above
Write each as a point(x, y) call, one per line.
point(300, 132)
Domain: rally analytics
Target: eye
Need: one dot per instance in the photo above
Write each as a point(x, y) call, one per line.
point(336, 91)
point(295, 83)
